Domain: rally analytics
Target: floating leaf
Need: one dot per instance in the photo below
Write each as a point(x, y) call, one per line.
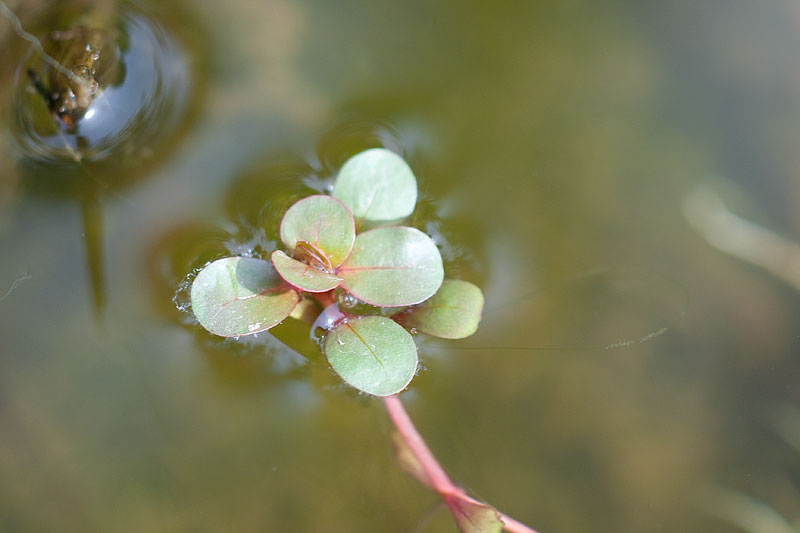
point(377, 185)
point(472, 516)
point(392, 266)
point(238, 296)
point(452, 313)
point(303, 276)
point(373, 354)
point(323, 222)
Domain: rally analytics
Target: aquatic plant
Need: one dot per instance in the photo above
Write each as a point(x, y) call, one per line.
point(350, 270)
point(372, 277)
point(394, 272)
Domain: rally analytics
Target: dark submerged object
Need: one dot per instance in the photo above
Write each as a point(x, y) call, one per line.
point(90, 53)
point(124, 88)
point(116, 93)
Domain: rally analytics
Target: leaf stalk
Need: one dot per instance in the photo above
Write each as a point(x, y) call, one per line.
point(435, 474)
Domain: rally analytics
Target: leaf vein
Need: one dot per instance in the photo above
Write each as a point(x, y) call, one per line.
point(366, 344)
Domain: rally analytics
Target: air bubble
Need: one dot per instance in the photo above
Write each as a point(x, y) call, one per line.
point(347, 300)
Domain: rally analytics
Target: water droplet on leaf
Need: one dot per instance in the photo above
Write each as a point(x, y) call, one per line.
point(347, 300)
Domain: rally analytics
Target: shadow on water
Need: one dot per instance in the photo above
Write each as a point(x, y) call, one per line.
point(253, 206)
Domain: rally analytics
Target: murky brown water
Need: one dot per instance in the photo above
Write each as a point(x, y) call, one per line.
point(637, 366)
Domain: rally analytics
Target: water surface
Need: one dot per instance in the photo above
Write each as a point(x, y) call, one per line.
point(628, 375)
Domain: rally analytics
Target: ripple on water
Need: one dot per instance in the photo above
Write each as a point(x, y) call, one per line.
point(137, 105)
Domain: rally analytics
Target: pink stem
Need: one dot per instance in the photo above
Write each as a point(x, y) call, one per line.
point(324, 298)
point(439, 480)
point(433, 470)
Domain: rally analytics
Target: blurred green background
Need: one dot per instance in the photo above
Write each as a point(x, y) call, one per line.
point(629, 375)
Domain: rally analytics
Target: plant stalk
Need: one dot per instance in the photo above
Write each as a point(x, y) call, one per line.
point(323, 298)
point(437, 477)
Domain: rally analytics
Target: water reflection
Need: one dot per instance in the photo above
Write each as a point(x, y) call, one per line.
point(553, 139)
point(143, 93)
point(141, 100)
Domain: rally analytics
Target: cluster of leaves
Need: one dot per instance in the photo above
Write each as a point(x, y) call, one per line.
point(395, 270)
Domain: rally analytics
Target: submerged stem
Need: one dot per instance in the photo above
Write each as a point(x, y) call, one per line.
point(435, 474)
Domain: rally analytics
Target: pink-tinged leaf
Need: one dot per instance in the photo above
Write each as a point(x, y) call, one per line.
point(452, 313)
point(392, 266)
point(472, 516)
point(311, 255)
point(236, 296)
point(303, 276)
point(322, 221)
point(373, 354)
point(377, 185)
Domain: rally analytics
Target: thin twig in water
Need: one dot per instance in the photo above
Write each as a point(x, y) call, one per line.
point(741, 238)
point(14, 285)
point(17, 26)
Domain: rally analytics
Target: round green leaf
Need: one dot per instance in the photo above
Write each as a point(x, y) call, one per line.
point(392, 266)
point(373, 354)
point(236, 296)
point(303, 276)
point(452, 313)
point(377, 185)
point(324, 222)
